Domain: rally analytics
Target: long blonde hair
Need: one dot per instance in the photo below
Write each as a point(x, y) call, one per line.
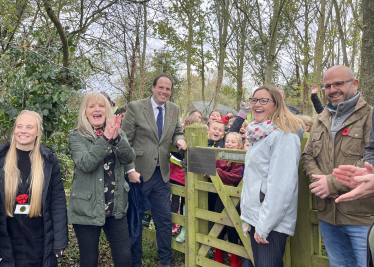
point(12, 173)
point(282, 116)
point(84, 126)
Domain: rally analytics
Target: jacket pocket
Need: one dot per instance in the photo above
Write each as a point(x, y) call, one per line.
point(320, 203)
point(317, 143)
point(139, 153)
point(81, 200)
point(353, 144)
point(362, 207)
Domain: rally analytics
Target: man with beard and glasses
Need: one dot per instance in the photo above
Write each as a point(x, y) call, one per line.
point(338, 137)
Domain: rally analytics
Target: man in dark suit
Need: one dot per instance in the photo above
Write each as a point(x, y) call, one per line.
point(150, 125)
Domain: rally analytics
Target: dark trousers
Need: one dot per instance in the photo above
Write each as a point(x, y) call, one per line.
point(175, 206)
point(269, 255)
point(158, 193)
point(232, 234)
point(117, 233)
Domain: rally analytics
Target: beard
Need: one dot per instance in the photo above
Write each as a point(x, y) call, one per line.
point(350, 93)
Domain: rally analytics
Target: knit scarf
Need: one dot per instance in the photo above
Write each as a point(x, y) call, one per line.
point(256, 131)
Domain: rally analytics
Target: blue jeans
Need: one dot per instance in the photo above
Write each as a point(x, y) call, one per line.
point(345, 244)
point(158, 193)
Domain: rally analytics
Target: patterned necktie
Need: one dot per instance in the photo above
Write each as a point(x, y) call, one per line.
point(159, 122)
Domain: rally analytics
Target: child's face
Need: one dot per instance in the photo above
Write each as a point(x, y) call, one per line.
point(216, 131)
point(215, 116)
point(198, 116)
point(246, 145)
point(232, 142)
point(123, 114)
point(243, 131)
point(230, 123)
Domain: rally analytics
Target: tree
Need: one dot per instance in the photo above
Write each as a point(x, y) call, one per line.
point(367, 52)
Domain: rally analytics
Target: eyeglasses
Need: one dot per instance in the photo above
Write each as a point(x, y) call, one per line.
point(263, 101)
point(337, 85)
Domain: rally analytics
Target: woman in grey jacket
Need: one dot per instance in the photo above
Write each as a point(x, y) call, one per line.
point(99, 198)
point(270, 186)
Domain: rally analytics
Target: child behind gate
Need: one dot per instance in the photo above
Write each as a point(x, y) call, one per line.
point(230, 174)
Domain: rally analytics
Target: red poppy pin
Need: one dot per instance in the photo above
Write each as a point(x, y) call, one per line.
point(346, 130)
point(170, 114)
point(21, 199)
point(99, 132)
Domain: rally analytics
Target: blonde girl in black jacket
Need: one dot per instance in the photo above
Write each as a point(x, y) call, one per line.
point(33, 224)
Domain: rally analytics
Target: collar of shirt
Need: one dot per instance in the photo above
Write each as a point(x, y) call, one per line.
point(155, 110)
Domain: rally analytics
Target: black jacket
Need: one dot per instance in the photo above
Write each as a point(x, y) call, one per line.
point(317, 103)
point(53, 206)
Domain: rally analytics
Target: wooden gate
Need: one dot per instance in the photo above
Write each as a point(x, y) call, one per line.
point(303, 249)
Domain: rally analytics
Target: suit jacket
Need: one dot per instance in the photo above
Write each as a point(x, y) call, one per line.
point(140, 127)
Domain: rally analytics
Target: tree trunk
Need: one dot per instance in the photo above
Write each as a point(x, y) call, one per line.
point(367, 52)
point(240, 62)
point(142, 61)
point(222, 9)
point(306, 60)
point(341, 33)
point(271, 57)
point(189, 56)
point(61, 32)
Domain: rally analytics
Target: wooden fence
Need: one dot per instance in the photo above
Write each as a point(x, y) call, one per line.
point(303, 249)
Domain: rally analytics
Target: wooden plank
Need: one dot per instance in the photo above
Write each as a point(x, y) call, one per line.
point(301, 247)
point(195, 136)
point(320, 261)
point(202, 261)
point(316, 242)
point(190, 257)
point(216, 230)
point(232, 212)
point(178, 190)
point(178, 246)
point(221, 244)
point(287, 254)
point(221, 218)
point(178, 219)
point(314, 217)
point(149, 234)
point(209, 187)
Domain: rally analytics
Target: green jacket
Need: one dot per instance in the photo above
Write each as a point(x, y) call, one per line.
point(321, 156)
point(87, 202)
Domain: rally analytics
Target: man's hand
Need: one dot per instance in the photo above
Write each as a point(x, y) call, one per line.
point(182, 144)
point(314, 89)
point(345, 174)
point(320, 188)
point(134, 177)
point(260, 240)
point(364, 189)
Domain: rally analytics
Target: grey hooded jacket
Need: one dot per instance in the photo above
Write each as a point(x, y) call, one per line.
point(271, 167)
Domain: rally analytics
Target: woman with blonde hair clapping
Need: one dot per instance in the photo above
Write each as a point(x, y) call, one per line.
point(99, 193)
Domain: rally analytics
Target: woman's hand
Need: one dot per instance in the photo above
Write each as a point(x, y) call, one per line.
point(260, 240)
point(57, 254)
point(112, 127)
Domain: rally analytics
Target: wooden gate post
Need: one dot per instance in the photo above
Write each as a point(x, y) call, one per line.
point(195, 135)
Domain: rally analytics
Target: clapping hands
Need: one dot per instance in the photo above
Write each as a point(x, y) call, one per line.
point(112, 127)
